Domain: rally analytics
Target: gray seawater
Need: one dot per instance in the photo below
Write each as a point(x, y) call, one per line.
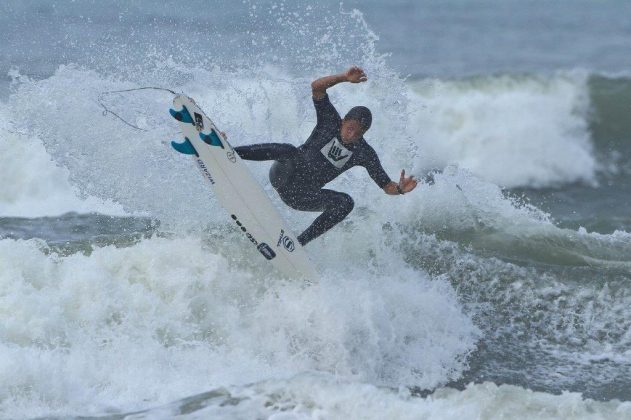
point(122, 280)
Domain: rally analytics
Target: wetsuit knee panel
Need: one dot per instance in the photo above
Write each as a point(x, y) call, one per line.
point(349, 203)
point(343, 203)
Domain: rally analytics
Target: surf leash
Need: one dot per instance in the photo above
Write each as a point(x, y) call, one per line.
point(106, 110)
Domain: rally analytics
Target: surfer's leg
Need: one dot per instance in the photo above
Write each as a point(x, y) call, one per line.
point(267, 151)
point(334, 204)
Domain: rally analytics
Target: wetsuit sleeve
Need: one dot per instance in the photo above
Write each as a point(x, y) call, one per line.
point(374, 168)
point(327, 115)
point(267, 151)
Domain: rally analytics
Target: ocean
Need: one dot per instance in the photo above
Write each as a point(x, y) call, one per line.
point(499, 288)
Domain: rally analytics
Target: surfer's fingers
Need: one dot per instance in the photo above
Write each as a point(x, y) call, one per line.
point(357, 71)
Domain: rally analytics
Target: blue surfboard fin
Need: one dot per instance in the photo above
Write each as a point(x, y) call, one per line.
point(183, 115)
point(185, 147)
point(211, 139)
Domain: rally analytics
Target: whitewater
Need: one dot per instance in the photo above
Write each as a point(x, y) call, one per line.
point(498, 288)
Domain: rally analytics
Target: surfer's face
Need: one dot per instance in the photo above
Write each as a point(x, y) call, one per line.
point(351, 131)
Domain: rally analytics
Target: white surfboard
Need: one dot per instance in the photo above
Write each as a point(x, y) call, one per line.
point(238, 192)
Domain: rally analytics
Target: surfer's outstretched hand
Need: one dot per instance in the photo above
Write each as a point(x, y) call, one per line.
point(355, 75)
point(407, 184)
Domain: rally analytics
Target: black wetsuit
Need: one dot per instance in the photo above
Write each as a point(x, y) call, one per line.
point(299, 173)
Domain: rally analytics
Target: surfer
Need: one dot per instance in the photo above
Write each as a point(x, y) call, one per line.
point(335, 145)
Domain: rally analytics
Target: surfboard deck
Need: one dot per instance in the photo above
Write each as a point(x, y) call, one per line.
point(238, 192)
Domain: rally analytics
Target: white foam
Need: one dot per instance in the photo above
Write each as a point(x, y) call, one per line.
point(309, 396)
point(33, 184)
point(167, 318)
point(106, 158)
point(513, 131)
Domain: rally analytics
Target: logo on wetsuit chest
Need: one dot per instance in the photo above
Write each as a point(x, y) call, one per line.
point(335, 152)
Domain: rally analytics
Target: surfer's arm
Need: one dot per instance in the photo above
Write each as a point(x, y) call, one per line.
point(352, 75)
point(405, 185)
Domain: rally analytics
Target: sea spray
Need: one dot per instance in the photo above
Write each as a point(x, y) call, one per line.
point(513, 131)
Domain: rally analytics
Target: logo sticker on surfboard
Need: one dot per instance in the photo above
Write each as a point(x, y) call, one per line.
point(199, 121)
point(262, 247)
point(286, 241)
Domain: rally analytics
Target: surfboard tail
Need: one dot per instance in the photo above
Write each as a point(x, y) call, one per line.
point(211, 139)
point(182, 115)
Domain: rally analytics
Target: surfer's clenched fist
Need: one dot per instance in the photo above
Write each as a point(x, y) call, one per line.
point(355, 75)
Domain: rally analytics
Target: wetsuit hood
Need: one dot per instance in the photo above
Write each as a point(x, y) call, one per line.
point(361, 114)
